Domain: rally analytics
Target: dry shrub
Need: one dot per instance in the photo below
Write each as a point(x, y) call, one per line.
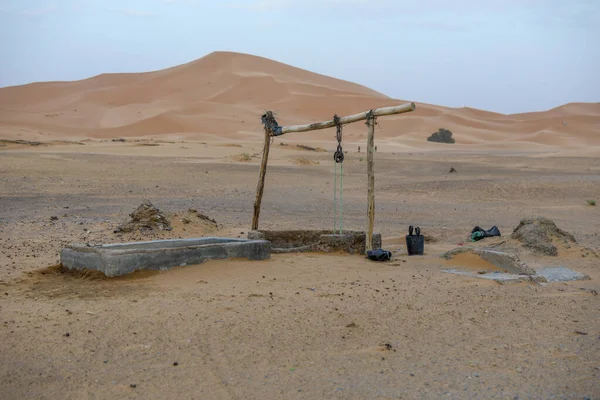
point(145, 217)
point(540, 235)
point(244, 157)
point(305, 161)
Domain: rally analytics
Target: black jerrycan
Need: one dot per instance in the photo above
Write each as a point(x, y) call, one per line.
point(415, 244)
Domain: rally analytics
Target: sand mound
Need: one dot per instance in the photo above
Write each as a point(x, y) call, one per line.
point(482, 259)
point(469, 260)
point(145, 218)
point(541, 235)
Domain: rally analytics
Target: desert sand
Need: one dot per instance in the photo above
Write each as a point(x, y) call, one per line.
point(305, 326)
point(222, 95)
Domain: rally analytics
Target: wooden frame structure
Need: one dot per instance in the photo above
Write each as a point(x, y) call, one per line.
point(370, 116)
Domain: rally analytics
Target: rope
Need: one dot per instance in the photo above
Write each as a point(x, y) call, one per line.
point(335, 197)
point(338, 158)
point(270, 123)
point(371, 118)
point(341, 196)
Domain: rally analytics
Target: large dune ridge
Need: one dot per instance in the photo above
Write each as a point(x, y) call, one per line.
point(222, 95)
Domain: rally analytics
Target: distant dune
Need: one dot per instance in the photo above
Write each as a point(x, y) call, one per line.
point(221, 96)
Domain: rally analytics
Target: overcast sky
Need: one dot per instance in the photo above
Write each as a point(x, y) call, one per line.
point(506, 56)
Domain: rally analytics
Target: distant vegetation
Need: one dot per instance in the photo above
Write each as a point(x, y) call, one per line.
point(442, 136)
point(244, 157)
point(303, 147)
point(591, 202)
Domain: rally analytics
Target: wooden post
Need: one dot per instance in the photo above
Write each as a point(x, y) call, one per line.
point(371, 183)
point(261, 178)
point(377, 112)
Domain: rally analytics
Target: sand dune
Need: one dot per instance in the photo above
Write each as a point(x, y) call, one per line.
point(224, 94)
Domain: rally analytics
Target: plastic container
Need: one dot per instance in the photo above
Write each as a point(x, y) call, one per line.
point(415, 244)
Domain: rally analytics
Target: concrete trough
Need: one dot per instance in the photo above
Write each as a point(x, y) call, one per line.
point(300, 241)
point(123, 258)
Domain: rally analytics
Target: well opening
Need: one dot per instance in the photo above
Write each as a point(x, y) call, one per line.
point(299, 241)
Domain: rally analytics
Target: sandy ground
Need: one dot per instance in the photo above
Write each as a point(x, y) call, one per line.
point(301, 326)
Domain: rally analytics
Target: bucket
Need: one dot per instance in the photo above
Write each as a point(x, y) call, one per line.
point(415, 244)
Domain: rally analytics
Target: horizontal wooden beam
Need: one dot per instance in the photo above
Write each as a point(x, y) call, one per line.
point(377, 112)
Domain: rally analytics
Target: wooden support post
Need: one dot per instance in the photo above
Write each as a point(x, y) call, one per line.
point(371, 183)
point(261, 178)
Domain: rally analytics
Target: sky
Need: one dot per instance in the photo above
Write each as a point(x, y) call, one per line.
point(506, 56)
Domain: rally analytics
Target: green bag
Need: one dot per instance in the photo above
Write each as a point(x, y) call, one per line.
point(478, 235)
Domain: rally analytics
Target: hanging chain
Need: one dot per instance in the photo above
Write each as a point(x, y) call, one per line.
point(338, 156)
